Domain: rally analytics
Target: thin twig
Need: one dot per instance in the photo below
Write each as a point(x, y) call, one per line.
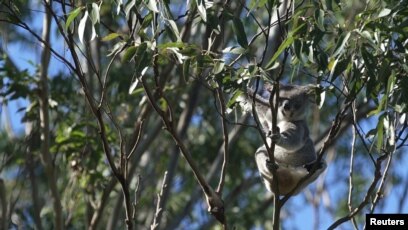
point(367, 197)
point(379, 193)
point(139, 134)
point(45, 119)
point(215, 203)
point(159, 205)
point(225, 140)
point(138, 179)
point(353, 150)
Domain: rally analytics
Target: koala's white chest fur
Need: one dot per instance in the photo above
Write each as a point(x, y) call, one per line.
point(294, 147)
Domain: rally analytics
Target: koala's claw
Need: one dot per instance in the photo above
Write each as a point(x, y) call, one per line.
point(309, 167)
point(275, 136)
point(271, 165)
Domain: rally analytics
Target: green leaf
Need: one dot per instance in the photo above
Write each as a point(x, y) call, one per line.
point(116, 47)
point(81, 27)
point(218, 67)
point(171, 44)
point(178, 55)
point(239, 31)
point(289, 40)
point(129, 53)
point(133, 86)
point(281, 48)
point(110, 36)
point(234, 50)
point(380, 132)
point(147, 20)
point(141, 49)
point(340, 66)
point(341, 44)
point(389, 129)
point(233, 99)
point(72, 15)
point(322, 98)
point(128, 7)
point(384, 12)
point(384, 100)
point(201, 10)
point(319, 17)
point(163, 104)
point(119, 3)
point(143, 57)
point(186, 69)
point(95, 17)
point(152, 5)
point(256, 4)
point(173, 28)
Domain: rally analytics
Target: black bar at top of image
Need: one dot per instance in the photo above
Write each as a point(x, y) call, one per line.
point(386, 221)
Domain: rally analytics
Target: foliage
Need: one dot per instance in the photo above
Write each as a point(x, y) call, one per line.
point(141, 82)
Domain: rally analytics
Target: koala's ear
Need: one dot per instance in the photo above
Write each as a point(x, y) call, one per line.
point(310, 89)
point(269, 86)
point(314, 93)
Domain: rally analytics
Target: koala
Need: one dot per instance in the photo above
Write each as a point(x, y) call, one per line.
point(294, 150)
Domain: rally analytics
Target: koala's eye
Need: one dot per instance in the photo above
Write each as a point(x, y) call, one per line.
point(282, 100)
point(297, 104)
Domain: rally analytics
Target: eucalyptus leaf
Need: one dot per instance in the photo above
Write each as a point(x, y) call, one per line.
point(110, 36)
point(152, 5)
point(282, 47)
point(186, 69)
point(239, 31)
point(133, 86)
point(129, 53)
point(72, 15)
point(342, 43)
point(128, 7)
point(384, 12)
point(174, 29)
point(202, 11)
point(81, 27)
point(380, 133)
point(232, 101)
point(218, 67)
point(95, 17)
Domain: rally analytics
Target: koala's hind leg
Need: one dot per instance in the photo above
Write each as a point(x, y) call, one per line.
point(288, 177)
point(264, 167)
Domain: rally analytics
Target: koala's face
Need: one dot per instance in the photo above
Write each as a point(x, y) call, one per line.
point(293, 103)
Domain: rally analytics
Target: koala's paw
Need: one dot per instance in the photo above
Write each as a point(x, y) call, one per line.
point(309, 167)
point(275, 137)
point(271, 165)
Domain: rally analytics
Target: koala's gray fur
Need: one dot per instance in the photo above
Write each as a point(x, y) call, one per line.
point(294, 150)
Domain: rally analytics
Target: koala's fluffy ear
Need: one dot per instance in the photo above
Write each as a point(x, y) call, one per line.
point(313, 92)
point(310, 89)
point(269, 86)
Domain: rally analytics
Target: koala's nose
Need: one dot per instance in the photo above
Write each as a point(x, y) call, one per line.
point(286, 105)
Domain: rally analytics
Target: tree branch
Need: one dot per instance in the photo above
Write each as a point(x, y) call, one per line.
point(367, 198)
point(225, 140)
point(160, 205)
point(213, 200)
point(45, 120)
